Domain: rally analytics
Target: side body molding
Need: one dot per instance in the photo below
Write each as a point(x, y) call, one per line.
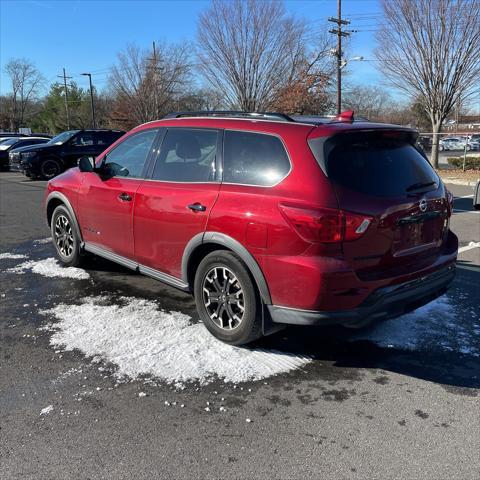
point(68, 205)
point(234, 246)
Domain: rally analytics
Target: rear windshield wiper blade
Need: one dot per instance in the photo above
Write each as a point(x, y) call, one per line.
point(418, 186)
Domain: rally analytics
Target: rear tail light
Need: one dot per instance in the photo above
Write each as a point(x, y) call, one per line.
point(325, 225)
point(450, 202)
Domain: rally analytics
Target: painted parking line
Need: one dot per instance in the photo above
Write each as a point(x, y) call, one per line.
point(470, 246)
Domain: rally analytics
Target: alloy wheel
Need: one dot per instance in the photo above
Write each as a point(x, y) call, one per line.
point(223, 298)
point(64, 236)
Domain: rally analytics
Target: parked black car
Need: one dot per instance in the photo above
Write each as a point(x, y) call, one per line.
point(7, 146)
point(62, 152)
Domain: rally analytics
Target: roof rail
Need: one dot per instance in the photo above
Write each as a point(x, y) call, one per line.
point(233, 113)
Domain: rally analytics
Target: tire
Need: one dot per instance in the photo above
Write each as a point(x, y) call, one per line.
point(65, 238)
point(49, 168)
point(238, 308)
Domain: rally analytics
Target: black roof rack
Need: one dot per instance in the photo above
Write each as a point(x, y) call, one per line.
point(235, 114)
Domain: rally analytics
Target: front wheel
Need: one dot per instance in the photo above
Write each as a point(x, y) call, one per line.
point(65, 237)
point(50, 168)
point(227, 299)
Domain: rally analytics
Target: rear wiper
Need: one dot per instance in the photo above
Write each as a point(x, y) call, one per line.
point(418, 186)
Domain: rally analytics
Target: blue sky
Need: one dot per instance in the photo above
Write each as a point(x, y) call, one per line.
point(86, 35)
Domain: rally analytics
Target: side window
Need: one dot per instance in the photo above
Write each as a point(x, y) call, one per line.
point(106, 138)
point(254, 159)
point(187, 155)
point(82, 140)
point(101, 138)
point(129, 157)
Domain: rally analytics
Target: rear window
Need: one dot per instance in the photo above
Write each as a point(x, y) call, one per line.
point(383, 164)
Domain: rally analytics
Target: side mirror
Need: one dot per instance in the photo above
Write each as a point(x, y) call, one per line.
point(86, 164)
point(476, 197)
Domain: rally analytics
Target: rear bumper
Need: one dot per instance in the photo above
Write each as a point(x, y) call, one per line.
point(384, 303)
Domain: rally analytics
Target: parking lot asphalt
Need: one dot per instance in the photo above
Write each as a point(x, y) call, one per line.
point(400, 400)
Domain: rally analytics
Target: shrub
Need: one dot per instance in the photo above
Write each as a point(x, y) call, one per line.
point(471, 163)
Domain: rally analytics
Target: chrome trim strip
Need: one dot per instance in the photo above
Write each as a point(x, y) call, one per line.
point(110, 256)
point(163, 277)
point(150, 272)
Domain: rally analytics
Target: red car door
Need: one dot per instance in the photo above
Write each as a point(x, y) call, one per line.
point(106, 199)
point(173, 206)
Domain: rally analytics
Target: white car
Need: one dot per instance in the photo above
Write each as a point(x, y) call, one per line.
point(454, 143)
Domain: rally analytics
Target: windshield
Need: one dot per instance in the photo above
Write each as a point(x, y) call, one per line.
point(62, 137)
point(11, 141)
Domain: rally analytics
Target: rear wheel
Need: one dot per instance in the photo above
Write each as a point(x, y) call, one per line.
point(50, 168)
point(227, 299)
point(65, 238)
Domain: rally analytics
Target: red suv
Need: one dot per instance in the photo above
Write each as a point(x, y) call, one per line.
point(266, 219)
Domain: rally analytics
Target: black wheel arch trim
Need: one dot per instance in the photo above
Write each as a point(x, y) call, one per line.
point(66, 202)
point(236, 247)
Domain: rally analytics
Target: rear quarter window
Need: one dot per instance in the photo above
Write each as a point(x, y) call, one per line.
point(379, 164)
point(254, 159)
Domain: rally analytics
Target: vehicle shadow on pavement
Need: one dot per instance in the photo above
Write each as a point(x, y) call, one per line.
point(445, 348)
point(448, 368)
point(463, 203)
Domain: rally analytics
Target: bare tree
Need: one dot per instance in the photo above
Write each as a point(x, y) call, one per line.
point(430, 49)
point(249, 50)
point(369, 101)
point(26, 83)
point(147, 84)
point(305, 91)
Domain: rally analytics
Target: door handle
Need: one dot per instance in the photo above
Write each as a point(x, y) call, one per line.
point(197, 207)
point(125, 197)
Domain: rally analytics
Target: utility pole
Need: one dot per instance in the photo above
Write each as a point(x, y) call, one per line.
point(155, 82)
point(340, 33)
point(64, 76)
point(89, 75)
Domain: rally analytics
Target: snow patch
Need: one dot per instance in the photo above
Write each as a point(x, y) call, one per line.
point(46, 410)
point(12, 256)
point(433, 326)
point(143, 340)
point(50, 268)
point(42, 241)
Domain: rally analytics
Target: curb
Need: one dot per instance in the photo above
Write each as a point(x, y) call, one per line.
point(458, 181)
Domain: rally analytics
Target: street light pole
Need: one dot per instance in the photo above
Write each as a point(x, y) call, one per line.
point(89, 75)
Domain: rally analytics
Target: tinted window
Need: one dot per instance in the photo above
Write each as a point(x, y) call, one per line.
point(187, 155)
point(107, 138)
point(382, 164)
point(129, 157)
point(82, 140)
point(254, 159)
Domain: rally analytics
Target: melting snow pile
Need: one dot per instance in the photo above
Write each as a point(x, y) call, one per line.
point(11, 256)
point(433, 326)
point(141, 339)
point(50, 268)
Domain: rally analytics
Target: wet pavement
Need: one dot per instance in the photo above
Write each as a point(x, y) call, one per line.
point(400, 400)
